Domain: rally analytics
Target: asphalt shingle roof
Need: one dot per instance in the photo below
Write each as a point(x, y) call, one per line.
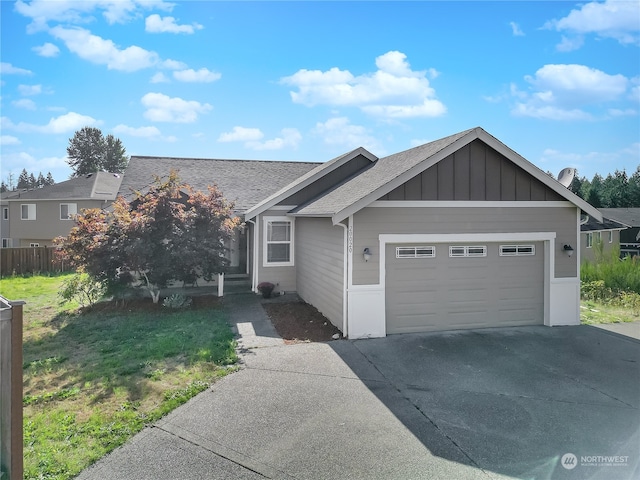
point(628, 216)
point(379, 174)
point(244, 182)
point(99, 186)
point(593, 225)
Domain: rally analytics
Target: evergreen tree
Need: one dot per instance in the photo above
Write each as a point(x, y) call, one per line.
point(49, 180)
point(40, 182)
point(89, 151)
point(115, 156)
point(23, 179)
point(33, 183)
point(3, 187)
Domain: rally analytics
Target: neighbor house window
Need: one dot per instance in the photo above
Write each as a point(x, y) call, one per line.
point(68, 210)
point(278, 241)
point(32, 244)
point(517, 250)
point(589, 240)
point(610, 236)
point(28, 211)
point(415, 252)
point(5, 213)
point(467, 251)
point(6, 243)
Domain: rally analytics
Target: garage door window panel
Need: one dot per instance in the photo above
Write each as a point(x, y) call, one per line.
point(415, 252)
point(468, 251)
point(517, 250)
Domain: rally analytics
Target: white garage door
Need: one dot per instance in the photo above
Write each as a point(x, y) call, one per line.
point(454, 286)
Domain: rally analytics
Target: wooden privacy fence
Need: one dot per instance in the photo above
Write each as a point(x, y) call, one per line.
point(18, 261)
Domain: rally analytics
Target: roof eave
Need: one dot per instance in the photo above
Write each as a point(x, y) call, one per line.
point(294, 187)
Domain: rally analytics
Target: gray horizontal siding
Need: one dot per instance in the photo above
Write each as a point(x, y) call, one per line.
point(320, 266)
point(369, 223)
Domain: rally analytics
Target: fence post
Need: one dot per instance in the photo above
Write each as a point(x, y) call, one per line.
point(11, 438)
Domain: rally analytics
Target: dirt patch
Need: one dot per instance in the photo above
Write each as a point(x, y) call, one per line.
point(299, 322)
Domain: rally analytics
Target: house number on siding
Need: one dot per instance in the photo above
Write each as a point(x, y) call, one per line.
point(350, 239)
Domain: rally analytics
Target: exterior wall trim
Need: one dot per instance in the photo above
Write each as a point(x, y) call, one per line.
point(467, 204)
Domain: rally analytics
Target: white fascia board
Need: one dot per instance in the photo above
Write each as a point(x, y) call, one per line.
point(468, 204)
point(538, 174)
point(296, 186)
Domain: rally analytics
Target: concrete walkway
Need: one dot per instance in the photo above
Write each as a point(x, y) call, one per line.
point(250, 322)
point(628, 329)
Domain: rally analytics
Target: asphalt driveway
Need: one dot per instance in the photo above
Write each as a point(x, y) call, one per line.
point(495, 403)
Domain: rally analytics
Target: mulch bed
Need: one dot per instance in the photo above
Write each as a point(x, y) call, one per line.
point(299, 322)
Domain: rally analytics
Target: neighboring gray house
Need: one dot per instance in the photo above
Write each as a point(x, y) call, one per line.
point(630, 237)
point(458, 233)
point(34, 217)
point(592, 232)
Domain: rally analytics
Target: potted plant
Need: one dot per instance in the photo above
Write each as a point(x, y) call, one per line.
point(265, 288)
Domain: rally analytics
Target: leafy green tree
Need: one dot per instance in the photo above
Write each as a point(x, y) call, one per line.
point(170, 232)
point(89, 151)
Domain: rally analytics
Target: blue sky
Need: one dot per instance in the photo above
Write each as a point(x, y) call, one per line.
point(558, 82)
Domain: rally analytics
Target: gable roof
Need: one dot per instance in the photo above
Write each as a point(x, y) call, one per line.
point(94, 186)
point(394, 170)
point(628, 216)
point(244, 182)
point(592, 225)
point(307, 179)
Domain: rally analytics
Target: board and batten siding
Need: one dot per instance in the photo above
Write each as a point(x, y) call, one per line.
point(476, 172)
point(283, 277)
point(320, 266)
point(370, 222)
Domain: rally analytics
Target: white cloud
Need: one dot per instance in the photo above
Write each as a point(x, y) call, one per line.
point(570, 44)
point(69, 122)
point(173, 64)
point(9, 140)
point(159, 78)
point(162, 108)
point(564, 92)
point(104, 52)
point(616, 112)
point(73, 12)
point(203, 75)
point(290, 137)
point(8, 69)
point(393, 90)
point(338, 131)
point(136, 132)
point(29, 90)
point(25, 103)
point(241, 134)
point(594, 161)
point(47, 50)
point(615, 19)
point(516, 30)
point(157, 24)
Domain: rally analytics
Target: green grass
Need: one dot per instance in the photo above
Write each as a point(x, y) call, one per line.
point(93, 378)
point(597, 312)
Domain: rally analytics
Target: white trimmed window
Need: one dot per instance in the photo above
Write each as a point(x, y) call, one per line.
point(467, 251)
point(278, 242)
point(5, 213)
point(68, 210)
point(34, 245)
point(415, 252)
point(610, 236)
point(517, 250)
point(589, 240)
point(6, 243)
point(28, 211)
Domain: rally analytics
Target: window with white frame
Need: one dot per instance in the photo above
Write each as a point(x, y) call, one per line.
point(278, 241)
point(467, 251)
point(589, 240)
point(415, 252)
point(517, 250)
point(6, 243)
point(33, 244)
point(28, 211)
point(68, 210)
point(610, 236)
point(5, 213)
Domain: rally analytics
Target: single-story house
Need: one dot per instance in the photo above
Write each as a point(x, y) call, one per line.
point(34, 217)
point(593, 232)
point(461, 232)
point(630, 237)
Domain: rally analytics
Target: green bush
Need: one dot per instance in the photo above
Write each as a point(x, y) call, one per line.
point(82, 288)
point(619, 275)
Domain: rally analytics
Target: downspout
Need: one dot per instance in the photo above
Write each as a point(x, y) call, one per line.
point(254, 274)
point(345, 267)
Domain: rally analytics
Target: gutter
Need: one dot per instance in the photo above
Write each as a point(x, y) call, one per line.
point(254, 273)
point(345, 297)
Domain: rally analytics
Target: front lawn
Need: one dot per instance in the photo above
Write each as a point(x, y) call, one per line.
point(94, 378)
